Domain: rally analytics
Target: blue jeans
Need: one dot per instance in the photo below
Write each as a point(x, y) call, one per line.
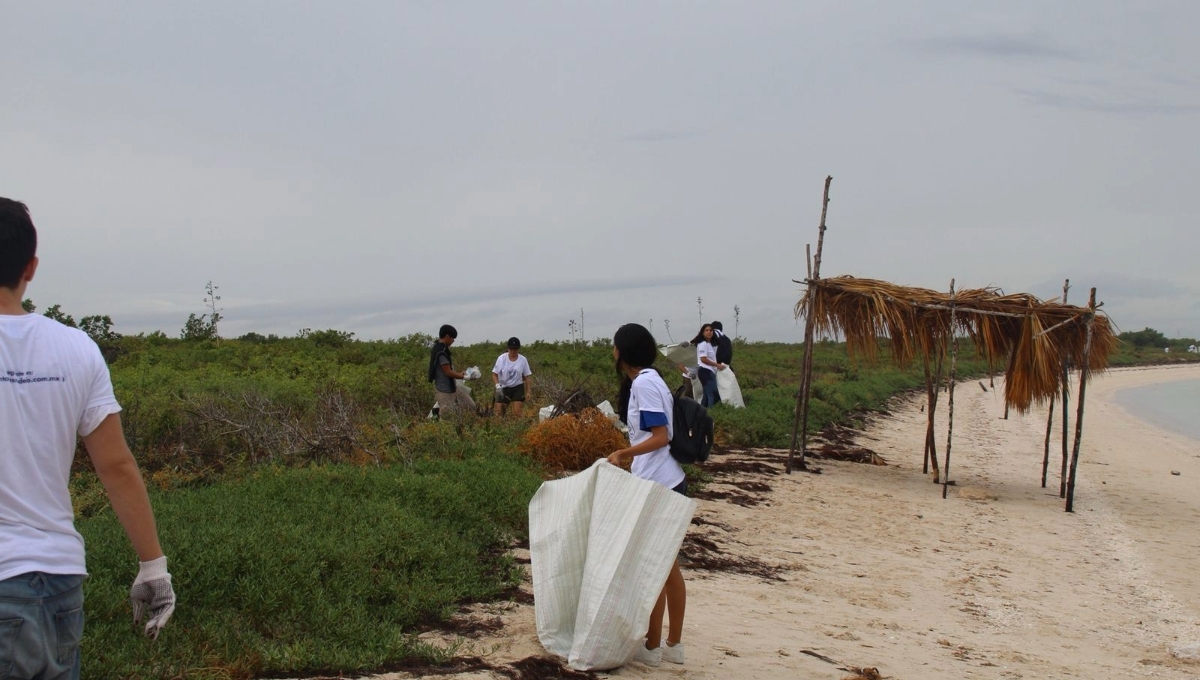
point(708, 379)
point(41, 623)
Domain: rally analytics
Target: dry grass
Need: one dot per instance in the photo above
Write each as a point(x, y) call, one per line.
point(1033, 345)
point(572, 441)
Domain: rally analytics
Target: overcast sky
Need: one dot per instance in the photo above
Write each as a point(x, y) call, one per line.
point(386, 167)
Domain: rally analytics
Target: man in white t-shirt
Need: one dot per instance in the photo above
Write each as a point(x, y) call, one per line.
point(513, 379)
point(54, 385)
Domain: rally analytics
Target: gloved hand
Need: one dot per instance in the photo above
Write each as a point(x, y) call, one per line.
point(499, 390)
point(152, 595)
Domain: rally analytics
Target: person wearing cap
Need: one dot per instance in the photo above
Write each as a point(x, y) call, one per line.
point(513, 379)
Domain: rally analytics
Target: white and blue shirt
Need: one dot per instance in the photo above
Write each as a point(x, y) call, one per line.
point(651, 405)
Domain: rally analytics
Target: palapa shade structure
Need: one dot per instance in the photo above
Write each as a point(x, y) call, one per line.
point(1031, 336)
point(1037, 341)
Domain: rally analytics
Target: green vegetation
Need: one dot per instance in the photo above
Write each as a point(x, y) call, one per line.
point(1147, 347)
point(307, 569)
point(316, 519)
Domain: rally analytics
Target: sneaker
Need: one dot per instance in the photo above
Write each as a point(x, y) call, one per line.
point(672, 653)
point(650, 657)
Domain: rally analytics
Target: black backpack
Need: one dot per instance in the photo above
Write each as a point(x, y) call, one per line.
point(693, 431)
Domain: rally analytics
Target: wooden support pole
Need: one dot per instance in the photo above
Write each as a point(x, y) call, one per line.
point(1012, 362)
point(1084, 374)
point(1066, 413)
point(1046, 454)
point(800, 424)
point(928, 416)
point(950, 391)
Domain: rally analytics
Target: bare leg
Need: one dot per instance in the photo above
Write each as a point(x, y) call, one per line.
point(676, 591)
point(517, 407)
point(654, 634)
point(499, 409)
point(674, 598)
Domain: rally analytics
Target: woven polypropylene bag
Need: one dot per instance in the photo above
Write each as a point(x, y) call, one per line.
point(601, 544)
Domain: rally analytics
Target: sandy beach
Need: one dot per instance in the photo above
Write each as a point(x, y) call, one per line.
point(867, 566)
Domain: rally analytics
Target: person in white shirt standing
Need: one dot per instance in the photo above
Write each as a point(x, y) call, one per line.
point(707, 364)
point(513, 379)
point(54, 384)
point(647, 407)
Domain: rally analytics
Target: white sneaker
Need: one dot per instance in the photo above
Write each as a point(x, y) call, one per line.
point(650, 657)
point(672, 653)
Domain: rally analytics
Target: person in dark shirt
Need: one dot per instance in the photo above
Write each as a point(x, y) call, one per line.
point(443, 375)
point(723, 343)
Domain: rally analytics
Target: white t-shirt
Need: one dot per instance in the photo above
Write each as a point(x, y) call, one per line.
point(512, 373)
point(650, 404)
point(53, 384)
point(706, 349)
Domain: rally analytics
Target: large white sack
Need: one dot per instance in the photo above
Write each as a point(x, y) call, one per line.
point(601, 545)
point(727, 387)
point(683, 353)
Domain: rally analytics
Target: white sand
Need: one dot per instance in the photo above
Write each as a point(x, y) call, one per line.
point(996, 581)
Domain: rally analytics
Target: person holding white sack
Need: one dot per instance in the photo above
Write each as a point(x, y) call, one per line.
point(707, 365)
point(646, 406)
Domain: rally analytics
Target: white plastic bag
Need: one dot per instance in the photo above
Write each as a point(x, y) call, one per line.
point(601, 545)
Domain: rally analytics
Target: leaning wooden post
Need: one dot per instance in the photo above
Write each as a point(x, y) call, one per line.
point(928, 416)
point(801, 421)
point(932, 396)
point(1066, 414)
point(1049, 429)
point(1084, 373)
point(950, 389)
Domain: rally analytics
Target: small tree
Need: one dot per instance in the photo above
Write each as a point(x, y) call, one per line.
point(204, 327)
point(28, 306)
point(55, 312)
point(99, 327)
point(197, 328)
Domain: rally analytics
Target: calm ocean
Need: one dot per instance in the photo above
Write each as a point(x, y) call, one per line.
point(1172, 406)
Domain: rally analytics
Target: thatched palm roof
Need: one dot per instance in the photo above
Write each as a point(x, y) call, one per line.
point(1029, 336)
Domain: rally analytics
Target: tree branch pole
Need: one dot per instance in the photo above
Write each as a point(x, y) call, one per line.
point(1049, 429)
point(932, 391)
point(801, 421)
point(1066, 413)
point(1050, 418)
point(928, 416)
point(950, 390)
point(1084, 373)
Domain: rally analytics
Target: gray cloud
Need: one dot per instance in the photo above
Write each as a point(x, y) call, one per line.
point(998, 46)
point(1079, 102)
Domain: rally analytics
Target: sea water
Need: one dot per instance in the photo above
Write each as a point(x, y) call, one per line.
point(1172, 406)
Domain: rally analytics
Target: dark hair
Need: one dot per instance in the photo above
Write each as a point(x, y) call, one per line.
point(514, 343)
point(635, 347)
point(717, 326)
point(700, 335)
point(18, 241)
point(447, 329)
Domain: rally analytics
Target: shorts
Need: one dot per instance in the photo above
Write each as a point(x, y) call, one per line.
point(681, 488)
point(511, 394)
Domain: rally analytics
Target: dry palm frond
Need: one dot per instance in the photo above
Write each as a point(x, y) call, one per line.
point(1031, 337)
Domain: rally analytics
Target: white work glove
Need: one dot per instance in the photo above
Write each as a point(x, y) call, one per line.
point(152, 595)
point(499, 390)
